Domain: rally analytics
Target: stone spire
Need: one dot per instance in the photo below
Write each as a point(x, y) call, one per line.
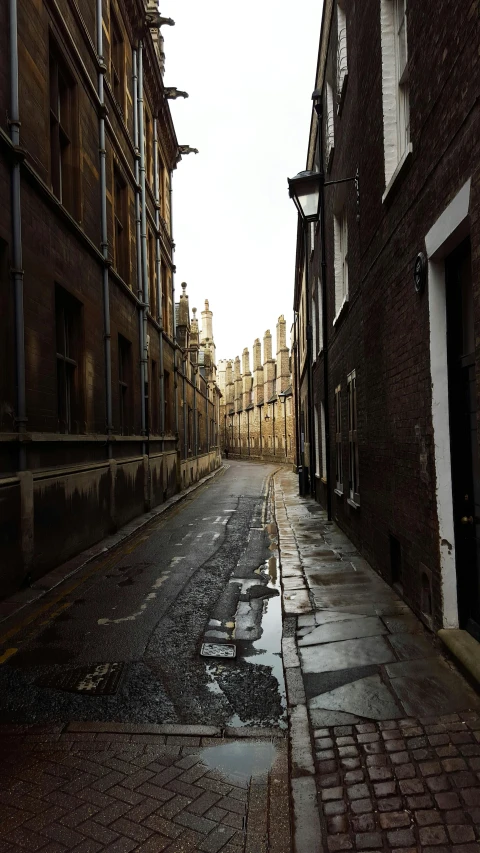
point(207, 324)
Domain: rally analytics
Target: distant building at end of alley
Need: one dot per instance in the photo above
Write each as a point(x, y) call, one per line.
point(257, 419)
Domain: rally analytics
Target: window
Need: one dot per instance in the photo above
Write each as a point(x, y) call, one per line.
point(120, 213)
point(342, 65)
point(324, 441)
point(69, 322)
point(165, 205)
point(151, 274)
point(314, 329)
point(148, 147)
point(117, 60)
point(340, 231)
point(63, 120)
point(154, 395)
point(329, 128)
point(338, 439)
point(317, 449)
point(319, 315)
point(353, 467)
point(395, 90)
point(167, 401)
point(125, 385)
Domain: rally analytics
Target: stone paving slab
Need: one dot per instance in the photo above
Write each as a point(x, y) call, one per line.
point(90, 790)
point(395, 728)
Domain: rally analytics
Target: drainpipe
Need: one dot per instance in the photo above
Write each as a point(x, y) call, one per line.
point(17, 262)
point(195, 426)
point(311, 428)
point(273, 409)
point(138, 236)
point(143, 282)
point(319, 110)
point(207, 413)
point(174, 320)
point(185, 422)
point(159, 274)
point(103, 226)
point(297, 392)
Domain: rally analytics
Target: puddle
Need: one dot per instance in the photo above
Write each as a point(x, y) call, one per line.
point(267, 649)
point(240, 759)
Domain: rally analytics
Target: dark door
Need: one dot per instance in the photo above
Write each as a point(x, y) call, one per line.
point(463, 434)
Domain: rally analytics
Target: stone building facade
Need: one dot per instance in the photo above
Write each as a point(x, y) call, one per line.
point(256, 416)
point(391, 332)
point(91, 369)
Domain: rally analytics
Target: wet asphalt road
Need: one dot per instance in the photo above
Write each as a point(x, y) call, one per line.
point(186, 579)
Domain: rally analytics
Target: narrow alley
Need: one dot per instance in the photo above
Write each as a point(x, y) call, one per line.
point(119, 734)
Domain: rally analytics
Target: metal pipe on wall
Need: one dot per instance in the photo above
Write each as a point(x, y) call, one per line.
point(104, 229)
point(17, 260)
point(326, 398)
point(195, 418)
point(143, 283)
point(158, 261)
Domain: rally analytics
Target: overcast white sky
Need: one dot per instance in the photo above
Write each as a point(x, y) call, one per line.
point(249, 69)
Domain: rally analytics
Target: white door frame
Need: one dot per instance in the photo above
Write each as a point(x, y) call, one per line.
point(448, 231)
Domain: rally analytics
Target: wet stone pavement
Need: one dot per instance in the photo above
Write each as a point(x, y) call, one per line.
point(395, 727)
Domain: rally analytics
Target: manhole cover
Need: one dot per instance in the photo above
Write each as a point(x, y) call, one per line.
point(218, 650)
point(100, 679)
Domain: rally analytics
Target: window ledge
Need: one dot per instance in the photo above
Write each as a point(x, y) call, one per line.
point(406, 157)
point(353, 503)
point(340, 310)
point(339, 492)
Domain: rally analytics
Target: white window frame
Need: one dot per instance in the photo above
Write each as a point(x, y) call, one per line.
point(338, 442)
point(314, 329)
point(323, 434)
point(329, 126)
point(353, 460)
point(342, 55)
point(320, 315)
point(395, 88)
point(340, 234)
point(317, 448)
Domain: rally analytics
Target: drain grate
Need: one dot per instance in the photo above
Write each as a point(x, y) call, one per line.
point(218, 650)
point(100, 679)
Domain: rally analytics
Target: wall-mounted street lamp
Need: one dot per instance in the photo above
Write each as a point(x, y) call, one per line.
point(304, 189)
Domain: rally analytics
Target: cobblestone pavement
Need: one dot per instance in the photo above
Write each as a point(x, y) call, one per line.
point(89, 789)
point(396, 729)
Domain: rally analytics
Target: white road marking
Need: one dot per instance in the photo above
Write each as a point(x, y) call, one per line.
point(148, 598)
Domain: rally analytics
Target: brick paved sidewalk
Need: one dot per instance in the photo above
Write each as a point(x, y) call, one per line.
point(103, 789)
point(385, 732)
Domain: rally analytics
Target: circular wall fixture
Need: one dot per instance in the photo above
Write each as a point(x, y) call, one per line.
point(420, 272)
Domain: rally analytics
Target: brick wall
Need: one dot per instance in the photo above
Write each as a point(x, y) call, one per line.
point(384, 332)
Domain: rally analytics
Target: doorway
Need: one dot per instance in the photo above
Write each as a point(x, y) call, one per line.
point(463, 433)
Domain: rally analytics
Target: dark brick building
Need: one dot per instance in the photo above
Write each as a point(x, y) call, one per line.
point(91, 374)
point(395, 438)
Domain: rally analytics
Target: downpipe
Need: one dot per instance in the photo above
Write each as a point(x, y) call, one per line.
point(159, 277)
point(104, 231)
point(143, 281)
point(17, 259)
